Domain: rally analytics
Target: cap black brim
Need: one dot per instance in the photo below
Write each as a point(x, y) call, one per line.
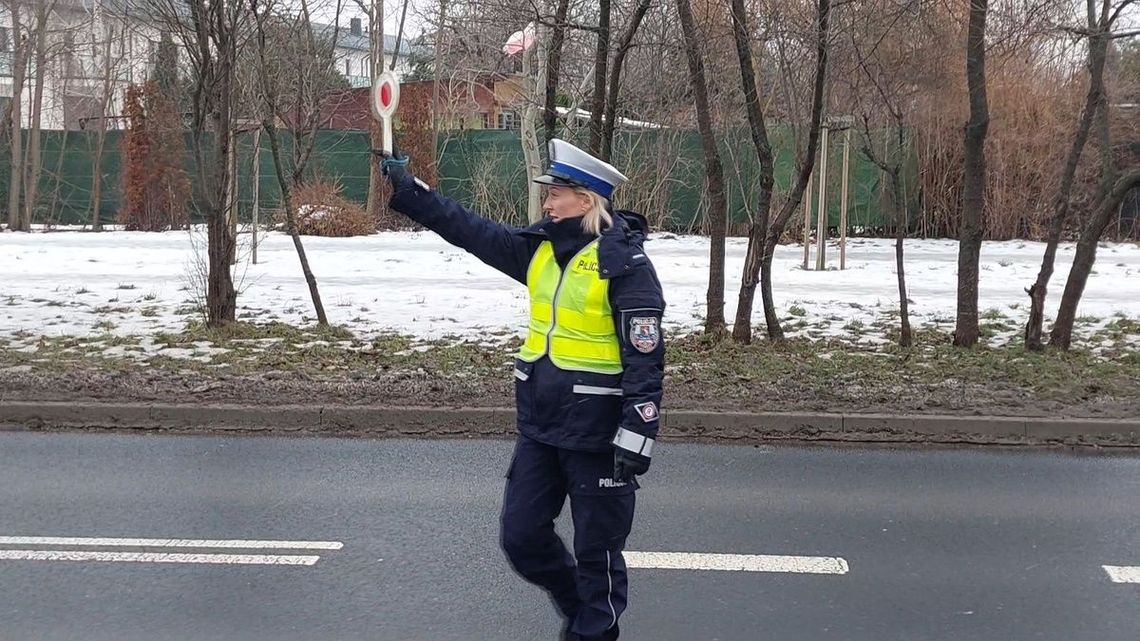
point(547, 179)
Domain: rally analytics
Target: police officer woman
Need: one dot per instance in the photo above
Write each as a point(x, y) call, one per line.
point(587, 378)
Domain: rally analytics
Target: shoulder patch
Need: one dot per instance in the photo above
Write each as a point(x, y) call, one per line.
point(644, 333)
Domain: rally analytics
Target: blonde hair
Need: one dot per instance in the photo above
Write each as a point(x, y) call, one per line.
point(597, 218)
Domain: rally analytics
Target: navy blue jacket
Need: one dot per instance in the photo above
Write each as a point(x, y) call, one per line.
point(558, 407)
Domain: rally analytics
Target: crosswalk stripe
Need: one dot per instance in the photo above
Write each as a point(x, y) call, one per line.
point(1123, 573)
point(736, 562)
point(171, 543)
point(154, 557)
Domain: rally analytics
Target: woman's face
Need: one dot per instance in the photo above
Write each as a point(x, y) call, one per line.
point(562, 203)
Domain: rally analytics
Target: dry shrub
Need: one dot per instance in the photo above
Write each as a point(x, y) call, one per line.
point(322, 211)
point(1033, 113)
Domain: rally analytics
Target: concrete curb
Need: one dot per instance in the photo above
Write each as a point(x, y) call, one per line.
point(677, 425)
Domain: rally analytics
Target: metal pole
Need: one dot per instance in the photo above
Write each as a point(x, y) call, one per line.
point(256, 187)
point(807, 225)
point(821, 224)
point(843, 200)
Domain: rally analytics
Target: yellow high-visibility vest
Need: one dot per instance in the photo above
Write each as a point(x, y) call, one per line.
point(570, 315)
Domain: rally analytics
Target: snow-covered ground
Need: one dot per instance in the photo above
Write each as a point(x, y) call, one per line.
point(128, 283)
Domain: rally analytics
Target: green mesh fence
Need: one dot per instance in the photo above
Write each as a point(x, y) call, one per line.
point(484, 169)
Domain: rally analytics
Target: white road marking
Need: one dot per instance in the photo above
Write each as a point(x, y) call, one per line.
point(172, 543)
point(1123, 573)
point(736, 562)
point(149, 557)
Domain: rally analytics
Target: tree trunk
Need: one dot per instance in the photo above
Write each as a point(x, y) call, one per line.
point(528, 129)
point(97, 167)
point(906, 335)
point(291, 223)
point(34, 152)
point(609, 123)
point(718, 204)
point(269, 112)
point(221, 297)
point(974, 178)
point(435, 79)
point(553, 70)
point(376, 181)
point(15, 146)
point(101, 134)
point(758, 230)
point(1098, 45)
point(1062, 334)
point(776, 230)
point(601, 59)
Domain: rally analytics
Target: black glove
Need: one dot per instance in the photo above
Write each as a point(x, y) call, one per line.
point(393, 165)
point(628, 465)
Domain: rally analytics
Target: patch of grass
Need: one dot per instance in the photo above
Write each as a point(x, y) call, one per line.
point(110, 309)
point(993, 314)
point(149, 312)
point(856, 326)
point(198, 331)
point(1005, 263)
point(931, 373)
point(126, 286)
point(105, 325)
point(151, 296)
point(797, 311)
point(1122, 327)
point(81, 291)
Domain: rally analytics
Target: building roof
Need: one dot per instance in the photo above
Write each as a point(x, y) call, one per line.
point(346, 39)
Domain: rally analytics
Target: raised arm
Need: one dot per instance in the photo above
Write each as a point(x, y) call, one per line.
point(497, 245)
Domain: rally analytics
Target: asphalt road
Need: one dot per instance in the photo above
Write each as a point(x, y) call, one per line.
point(329, 540)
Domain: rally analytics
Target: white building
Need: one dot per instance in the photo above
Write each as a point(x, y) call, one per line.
point(98, 48)
point(352, 49)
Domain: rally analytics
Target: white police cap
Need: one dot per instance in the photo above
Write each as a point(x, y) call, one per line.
point(572, 166)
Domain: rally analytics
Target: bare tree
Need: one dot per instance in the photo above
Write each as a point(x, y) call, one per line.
point(718, 208)
point(108, 66)
point(213, 34)
point(33, 164)
point(375, 13)
point(1111, 189)
point(764, 237)
point(610, 119)
point(601, 60)
point(1098, 41)
point(1061, 336)
point(974, 196)
point(758, 229)
point(529, 124)
point(20, 47)
point(891, 73)
point(310, 90)
point(554, 68)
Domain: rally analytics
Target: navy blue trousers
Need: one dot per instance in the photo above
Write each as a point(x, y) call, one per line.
point(588, 587)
